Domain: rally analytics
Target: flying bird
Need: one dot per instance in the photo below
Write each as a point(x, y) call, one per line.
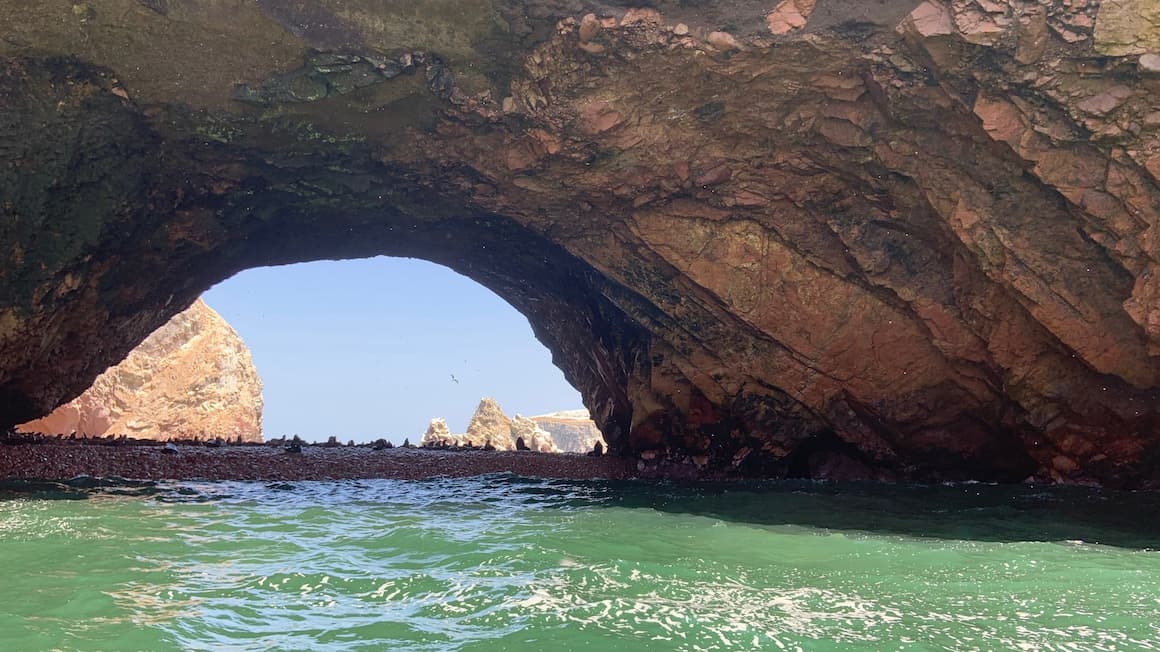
point(454, 379)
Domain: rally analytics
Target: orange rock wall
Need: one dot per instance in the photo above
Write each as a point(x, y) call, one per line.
point(192, 378)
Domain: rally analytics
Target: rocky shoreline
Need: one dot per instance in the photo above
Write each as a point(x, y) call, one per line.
point(61, 459)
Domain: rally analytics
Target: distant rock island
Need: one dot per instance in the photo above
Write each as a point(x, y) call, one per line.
point(573, 431)
point(559, 432)
point(192, 378)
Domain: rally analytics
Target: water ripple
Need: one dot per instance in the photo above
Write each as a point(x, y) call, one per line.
point(502, 563)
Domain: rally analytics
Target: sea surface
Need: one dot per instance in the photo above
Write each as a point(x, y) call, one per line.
point(508, 563)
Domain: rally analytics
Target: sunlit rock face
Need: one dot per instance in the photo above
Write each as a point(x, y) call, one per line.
point(192, 378)
point(916, 239)
point(438, 435)
point(572, 430)
point(534, 437)
point(490, 427)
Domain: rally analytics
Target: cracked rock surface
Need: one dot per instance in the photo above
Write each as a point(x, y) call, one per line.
point(893, 240)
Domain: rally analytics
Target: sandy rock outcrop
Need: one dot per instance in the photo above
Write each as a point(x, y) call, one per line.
point(1126, 27)
point(534, 437)
point(193, 377)
point(789, 15)
point(489, 426)
point(573, 431)
point(438, 435)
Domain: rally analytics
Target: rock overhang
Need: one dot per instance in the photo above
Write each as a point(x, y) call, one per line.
point(912, 238)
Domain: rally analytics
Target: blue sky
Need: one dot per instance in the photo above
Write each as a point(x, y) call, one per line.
point(363, 349)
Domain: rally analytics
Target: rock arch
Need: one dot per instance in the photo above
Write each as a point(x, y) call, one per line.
point(911, 237)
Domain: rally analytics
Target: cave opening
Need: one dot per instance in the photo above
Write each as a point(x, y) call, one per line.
point(806, 238)
point(376, 348)
point(369, 350)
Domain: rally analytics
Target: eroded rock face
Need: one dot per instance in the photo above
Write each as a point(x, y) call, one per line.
point(438, 435)
point(192, 378)
point(534, 437)
point(1126, 27)
point(915, 239)
point(490, 427)
point(572, 431)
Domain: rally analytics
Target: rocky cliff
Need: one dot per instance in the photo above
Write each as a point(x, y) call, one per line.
point(489, 426)
point(572, 431)
point(193, 377)
point(438, 435)
point(912, 238)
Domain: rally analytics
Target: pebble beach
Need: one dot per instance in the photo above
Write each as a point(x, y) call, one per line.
point(56, 459)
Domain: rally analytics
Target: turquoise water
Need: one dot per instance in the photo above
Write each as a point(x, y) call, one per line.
point(504, 563)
